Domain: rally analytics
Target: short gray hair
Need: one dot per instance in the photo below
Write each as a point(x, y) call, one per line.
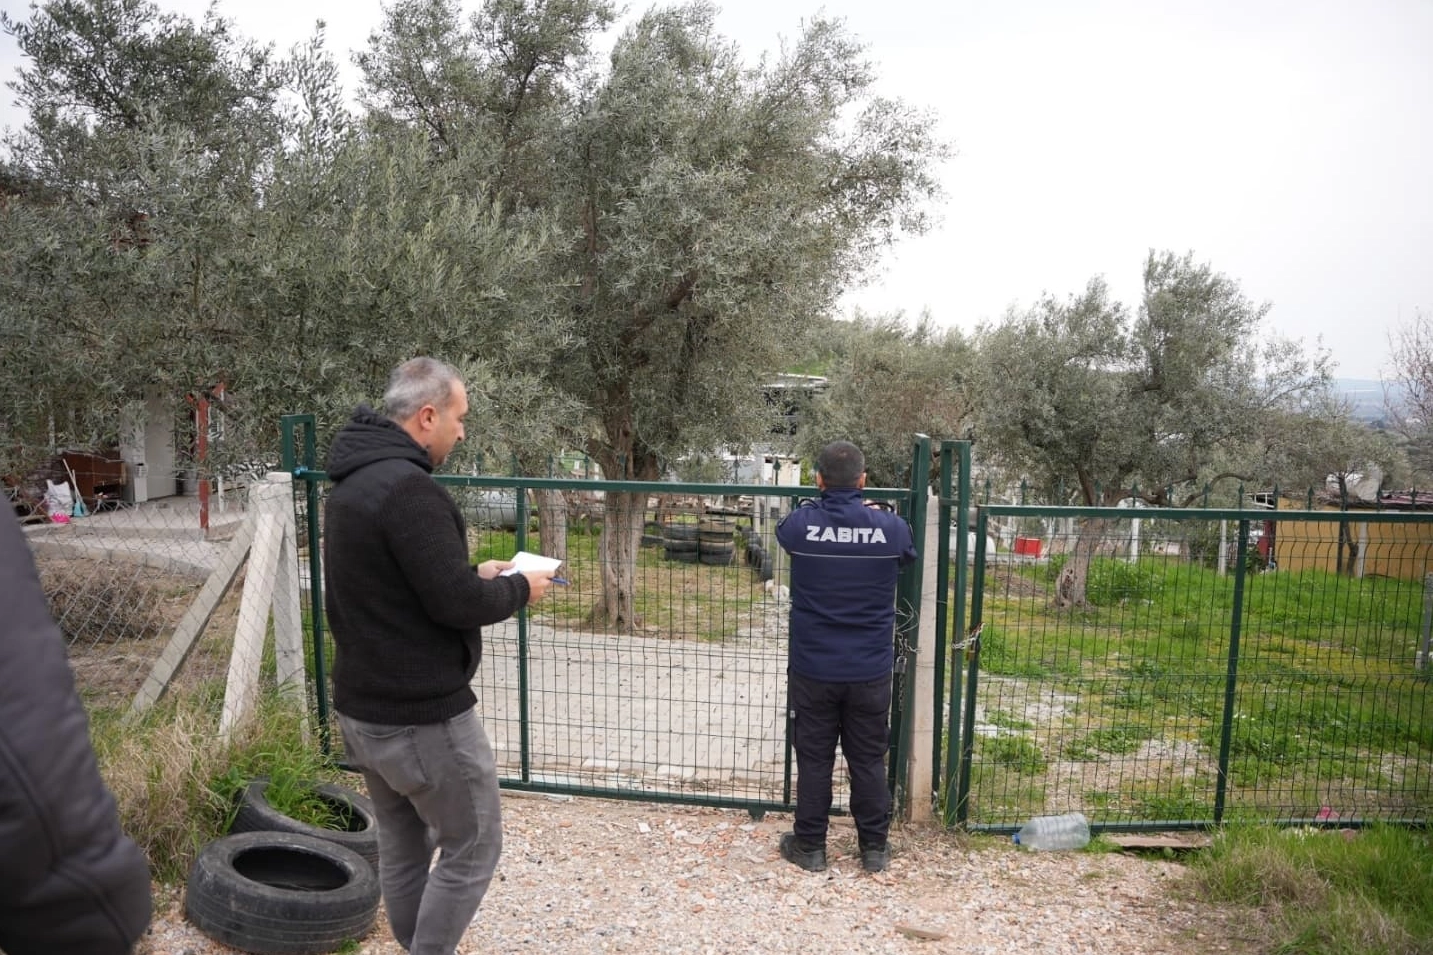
point(418, 382)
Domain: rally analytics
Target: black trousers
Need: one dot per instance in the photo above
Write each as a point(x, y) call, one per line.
point(857, 715)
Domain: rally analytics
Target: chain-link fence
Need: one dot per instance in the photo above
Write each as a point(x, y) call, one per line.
point(123, 578)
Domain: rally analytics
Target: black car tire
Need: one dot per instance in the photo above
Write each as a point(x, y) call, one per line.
point(281, 893)
point(256, 814)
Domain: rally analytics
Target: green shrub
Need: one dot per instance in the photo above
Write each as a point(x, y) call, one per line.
point(1111, 581)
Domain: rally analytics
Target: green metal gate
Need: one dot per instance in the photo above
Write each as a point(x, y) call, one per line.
point(688, 708)
point(1180, 668)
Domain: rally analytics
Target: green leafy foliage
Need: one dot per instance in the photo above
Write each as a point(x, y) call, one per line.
point(177, 789)
point(1154, 403)
point(889, 382)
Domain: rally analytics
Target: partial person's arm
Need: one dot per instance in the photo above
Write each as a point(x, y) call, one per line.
point(907, 546)
point(790, 531)
point(427, 541)
point(71, 883)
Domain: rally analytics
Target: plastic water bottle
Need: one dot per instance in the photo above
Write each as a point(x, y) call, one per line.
point(1068, 831)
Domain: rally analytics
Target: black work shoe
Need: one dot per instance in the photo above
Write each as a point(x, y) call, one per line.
point(876, 858)
point(812, 860)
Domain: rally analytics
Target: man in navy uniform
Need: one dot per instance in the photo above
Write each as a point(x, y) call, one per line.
point(845, 557)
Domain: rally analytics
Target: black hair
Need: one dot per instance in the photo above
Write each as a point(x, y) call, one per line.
point(841, 464)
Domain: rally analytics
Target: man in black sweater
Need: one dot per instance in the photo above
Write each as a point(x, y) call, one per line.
point(71, 883)
point(406, 608)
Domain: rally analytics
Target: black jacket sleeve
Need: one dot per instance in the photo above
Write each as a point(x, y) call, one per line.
point(71, 883)
point(426, 533)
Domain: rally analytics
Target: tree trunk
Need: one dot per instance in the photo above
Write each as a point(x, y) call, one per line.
point(623, 458)
point(1070, 585)
point(621, 537)
point(1346, 545)
point(666, 508)
point(552, 524)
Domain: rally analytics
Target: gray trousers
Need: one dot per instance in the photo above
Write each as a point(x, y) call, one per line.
point(433, 786)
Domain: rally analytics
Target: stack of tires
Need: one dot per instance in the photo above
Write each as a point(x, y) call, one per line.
point(279, 886)
point(758, 559)
point(679, 542)
point(715, 541)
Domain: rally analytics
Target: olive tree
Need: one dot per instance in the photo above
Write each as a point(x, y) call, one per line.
point(136, 182)
point(707, 211)
point(889, 381)
point(1080, 392)
point(1411, 415)
point(235, 226)
point(1320, 444)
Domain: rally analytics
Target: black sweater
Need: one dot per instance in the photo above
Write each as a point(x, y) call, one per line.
point(403, 601)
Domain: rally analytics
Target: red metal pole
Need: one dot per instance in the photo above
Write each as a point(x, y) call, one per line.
point(201, 424)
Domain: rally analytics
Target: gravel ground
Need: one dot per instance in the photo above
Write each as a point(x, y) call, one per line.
point(590, 876)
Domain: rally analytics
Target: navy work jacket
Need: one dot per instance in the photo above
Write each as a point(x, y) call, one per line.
point(845, 557)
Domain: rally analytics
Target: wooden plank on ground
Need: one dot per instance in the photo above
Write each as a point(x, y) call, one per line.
point(1179, 841)
point(253, 628)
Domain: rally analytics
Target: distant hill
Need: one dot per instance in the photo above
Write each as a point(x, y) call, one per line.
point(1369, 396)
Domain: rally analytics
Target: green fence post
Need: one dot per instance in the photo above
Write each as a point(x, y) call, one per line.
point(786, 746)
point(972, 652)
point(950, 777)
point(523, 677)
point(288, 453)
point(303, 470)
point(942, 591)
point(1231, 679)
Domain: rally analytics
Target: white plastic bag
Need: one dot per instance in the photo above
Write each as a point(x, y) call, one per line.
point(59, 501)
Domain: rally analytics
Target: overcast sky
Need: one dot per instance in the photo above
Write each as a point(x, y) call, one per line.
point(1286, 142)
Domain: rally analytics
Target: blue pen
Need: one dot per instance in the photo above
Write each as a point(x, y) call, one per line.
point(560, 580)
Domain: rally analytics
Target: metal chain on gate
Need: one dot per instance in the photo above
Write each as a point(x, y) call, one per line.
point(904, 647)
point(971, 643)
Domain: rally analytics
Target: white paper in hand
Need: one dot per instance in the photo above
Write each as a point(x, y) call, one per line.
point(524, 561)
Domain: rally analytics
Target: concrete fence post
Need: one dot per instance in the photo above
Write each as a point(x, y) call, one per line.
point(921, 785)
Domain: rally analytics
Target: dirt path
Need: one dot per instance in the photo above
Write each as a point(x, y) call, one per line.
point(587, 875)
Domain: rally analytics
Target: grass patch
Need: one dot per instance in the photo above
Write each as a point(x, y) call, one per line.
point(492, 545)
point(176, 784)
point(1178, 802)
point(1007, 721)
point(1110, 581)
point(1325, 694)
point(1110, 739)
point(1015, 752)
point(672, 599)
point(998, 655)
point(1326, 892)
